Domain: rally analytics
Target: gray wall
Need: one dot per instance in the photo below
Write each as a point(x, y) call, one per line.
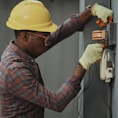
point(115, 84)
point(56, 64)
point(96, 93)
point(94, 100)
point(5, 34)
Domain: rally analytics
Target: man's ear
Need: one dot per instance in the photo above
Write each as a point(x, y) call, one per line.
point(47, 42)
point(24, 35)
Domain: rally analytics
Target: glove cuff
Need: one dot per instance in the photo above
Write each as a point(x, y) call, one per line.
point(84, 64)
point(85, 15)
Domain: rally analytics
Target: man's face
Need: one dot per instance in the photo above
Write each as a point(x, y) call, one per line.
point(36, 43)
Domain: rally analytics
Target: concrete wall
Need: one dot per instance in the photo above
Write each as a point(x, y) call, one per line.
point(58, 63)
point(94, 90)
point(96, 97)
point(115, 84)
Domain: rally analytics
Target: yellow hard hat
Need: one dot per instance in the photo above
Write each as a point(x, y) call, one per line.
point(31, 15)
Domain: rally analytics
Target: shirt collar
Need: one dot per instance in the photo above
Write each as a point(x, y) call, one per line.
point(20, 53)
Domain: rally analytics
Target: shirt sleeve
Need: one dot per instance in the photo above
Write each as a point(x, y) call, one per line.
point(22, 83)
point(66, 29)
point(73, 24)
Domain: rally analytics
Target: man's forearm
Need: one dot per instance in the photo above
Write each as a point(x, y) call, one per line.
point(75, 23)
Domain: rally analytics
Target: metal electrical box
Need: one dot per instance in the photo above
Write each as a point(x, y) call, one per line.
point(108, 38)
point(112, 29)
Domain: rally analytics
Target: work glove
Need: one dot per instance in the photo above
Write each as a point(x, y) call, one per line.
point(92, 54)
point(101, 12)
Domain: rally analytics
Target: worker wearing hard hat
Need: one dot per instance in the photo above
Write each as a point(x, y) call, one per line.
point(22, 90)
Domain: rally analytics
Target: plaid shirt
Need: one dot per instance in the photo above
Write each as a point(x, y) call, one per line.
point(22, 91)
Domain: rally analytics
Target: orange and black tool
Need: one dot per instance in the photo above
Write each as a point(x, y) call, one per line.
point(100, 36)
point(102, 23)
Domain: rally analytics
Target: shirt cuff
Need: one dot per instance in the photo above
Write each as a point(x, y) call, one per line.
point(75, 82)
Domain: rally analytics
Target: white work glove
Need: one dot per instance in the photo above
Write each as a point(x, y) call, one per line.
point(101, 12)
point(92, 54)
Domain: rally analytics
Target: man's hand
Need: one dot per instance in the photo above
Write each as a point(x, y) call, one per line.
point(92, 54)
point(101, 12)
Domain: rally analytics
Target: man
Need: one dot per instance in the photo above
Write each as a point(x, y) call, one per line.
point(22, 91)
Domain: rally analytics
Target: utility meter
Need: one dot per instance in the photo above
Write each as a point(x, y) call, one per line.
point(107, 65)
point(108, 39)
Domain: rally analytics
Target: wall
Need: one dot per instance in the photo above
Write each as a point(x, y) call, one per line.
point(58, 63)
point(115, 84)
point(5, 34)
point(95, 92)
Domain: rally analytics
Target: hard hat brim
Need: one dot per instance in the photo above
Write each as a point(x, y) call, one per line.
point(15, 26)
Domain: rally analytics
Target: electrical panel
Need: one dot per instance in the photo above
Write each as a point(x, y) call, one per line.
point(108, 38)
